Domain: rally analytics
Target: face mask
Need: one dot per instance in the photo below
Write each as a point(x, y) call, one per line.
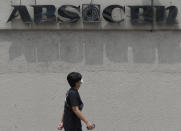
point(81, 81)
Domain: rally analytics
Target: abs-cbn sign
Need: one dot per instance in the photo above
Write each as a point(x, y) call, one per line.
point(91, 13)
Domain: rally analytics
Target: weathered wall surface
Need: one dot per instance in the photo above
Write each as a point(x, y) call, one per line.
point(40, 51)
point(132, 79)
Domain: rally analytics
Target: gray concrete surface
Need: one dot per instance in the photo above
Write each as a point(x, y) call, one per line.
point(132, 79)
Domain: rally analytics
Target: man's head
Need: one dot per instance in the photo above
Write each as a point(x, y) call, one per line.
point(74, 79)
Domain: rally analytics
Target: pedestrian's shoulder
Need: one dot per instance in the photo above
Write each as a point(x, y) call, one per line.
point(72, 92)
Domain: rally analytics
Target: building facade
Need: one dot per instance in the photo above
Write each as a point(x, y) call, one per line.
point(129, 53)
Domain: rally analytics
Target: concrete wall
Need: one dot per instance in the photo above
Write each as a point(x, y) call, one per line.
point(132, 79)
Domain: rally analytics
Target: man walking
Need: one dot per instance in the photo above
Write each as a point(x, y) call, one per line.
point(72, 116)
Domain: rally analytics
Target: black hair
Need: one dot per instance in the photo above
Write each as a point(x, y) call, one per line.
point(73, 78)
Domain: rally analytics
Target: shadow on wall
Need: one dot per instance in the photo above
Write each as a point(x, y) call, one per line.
point(91, 48)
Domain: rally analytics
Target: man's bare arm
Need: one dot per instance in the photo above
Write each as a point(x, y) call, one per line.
point(81, 116)
point(60, 126)
point(62, 117)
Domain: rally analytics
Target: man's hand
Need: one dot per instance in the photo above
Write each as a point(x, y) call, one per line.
point(90, 126)
point(60, 126)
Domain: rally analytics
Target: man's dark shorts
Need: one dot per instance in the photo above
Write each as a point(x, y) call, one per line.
point(76, 129)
